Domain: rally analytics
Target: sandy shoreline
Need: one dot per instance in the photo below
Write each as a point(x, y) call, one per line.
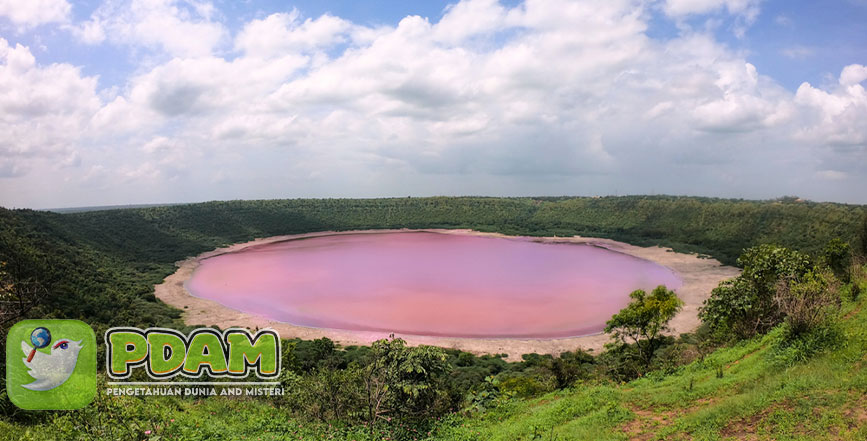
point(699, 277)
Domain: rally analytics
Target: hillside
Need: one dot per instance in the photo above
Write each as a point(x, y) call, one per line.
point(100, 266)
point(720, 227)
point(753, 390)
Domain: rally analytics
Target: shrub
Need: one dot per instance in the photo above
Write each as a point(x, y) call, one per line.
point(669, 357)
point(791, 348)
point(622, 362)
point(570, 367)
point(808, 303)
point(744, 306)
point(523, 386)
point(486, 395)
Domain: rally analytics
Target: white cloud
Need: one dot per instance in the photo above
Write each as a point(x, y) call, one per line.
point(836, 117)
point(29, 13)
point(680, 8)
point(574, 65)
point(468, 18)
point(784, 20)
point(548, 96)
point(182, 28)
point(832, 175)
point(745, 11)
point(798, 52)
point(853, 74)
point(283, 33)
point(44, 110)
point(158, 144)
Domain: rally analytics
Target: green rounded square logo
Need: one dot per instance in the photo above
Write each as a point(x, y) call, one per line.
point(51, 364)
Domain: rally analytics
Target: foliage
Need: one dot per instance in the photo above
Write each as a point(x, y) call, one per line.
point(485, 396)
point(101, 266)
point(808, 303)
point(571, 367)
point(745, 306)
point(838, 257)
point(403, 382)
point(644, 319)
point(791, 347)
point(862, 236)
point(817, 393)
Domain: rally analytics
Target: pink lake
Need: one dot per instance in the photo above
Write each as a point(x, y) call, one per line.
point(429, 283)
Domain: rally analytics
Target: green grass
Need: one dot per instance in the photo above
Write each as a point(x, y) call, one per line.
point(760, 396)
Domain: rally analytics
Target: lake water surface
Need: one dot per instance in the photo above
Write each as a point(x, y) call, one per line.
point(430, 283)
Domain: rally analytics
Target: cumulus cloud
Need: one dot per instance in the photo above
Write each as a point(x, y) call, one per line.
point(283, 33)
point(745, 11)
point(853, 74)
point(680, 8)
point(182, 28)
point(44, 110)
point(838, 114)
point(548, 96)
point(35, 12)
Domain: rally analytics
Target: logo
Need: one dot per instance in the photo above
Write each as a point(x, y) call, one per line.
point(51, 364)
point(165, 353)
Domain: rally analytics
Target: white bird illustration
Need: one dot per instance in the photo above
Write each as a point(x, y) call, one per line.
point(51, 370)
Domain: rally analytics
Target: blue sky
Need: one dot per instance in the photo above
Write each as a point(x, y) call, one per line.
point(140, 101)
point(791, 40)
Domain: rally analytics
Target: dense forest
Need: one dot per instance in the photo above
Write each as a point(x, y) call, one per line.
point(100, 266)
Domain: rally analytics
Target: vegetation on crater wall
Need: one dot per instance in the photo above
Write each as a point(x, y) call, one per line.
point(101, 266)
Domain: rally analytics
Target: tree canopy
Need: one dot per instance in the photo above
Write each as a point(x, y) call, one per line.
point(644, 319)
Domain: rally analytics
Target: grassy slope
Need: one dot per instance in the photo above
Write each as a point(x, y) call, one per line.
point(759, 397)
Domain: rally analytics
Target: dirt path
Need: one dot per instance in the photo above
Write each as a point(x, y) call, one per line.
point(699, 277)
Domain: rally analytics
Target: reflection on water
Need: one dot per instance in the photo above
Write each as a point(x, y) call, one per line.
point(430, 284)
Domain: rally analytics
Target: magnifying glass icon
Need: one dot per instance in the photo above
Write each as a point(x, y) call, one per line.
point(41, 338)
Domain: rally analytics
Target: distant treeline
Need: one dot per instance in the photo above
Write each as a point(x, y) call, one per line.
point(101, 265)
point(719, 227)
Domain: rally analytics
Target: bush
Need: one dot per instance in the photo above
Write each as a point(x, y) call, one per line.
point(523, 386)
point(745, 306)
point(570, 367)
point(791, 348)
point(808, 303)
point(622, 362)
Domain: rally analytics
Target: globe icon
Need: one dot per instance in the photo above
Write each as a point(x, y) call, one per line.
point(40, 337)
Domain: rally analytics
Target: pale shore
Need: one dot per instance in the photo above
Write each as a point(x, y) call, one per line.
point(699, 275)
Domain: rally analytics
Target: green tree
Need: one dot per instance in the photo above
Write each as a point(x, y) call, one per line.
point(863, 238)
point(838, 257)
point(744, 306)
point(402, 381)
point(644, 319)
